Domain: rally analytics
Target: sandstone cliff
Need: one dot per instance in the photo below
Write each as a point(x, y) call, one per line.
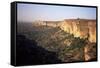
point(82, 28)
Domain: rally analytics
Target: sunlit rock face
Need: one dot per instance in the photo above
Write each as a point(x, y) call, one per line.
point(92, 31)
point(67, 26)
point(82, 28)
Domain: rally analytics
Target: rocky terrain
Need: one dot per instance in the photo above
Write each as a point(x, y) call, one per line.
point(71, 39)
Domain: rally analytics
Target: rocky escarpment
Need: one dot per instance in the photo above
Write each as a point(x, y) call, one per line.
point(82, 28)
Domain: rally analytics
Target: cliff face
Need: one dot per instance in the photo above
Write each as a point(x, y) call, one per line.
point(80, 28)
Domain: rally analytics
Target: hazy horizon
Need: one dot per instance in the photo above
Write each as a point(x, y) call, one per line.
point(33, 12)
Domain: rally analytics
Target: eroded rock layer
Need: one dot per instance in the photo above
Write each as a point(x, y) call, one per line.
point(80, 28)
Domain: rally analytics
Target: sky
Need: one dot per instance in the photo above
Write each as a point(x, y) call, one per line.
point(34, 12)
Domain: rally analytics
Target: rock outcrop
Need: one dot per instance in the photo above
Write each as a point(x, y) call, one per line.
point(82, 28)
